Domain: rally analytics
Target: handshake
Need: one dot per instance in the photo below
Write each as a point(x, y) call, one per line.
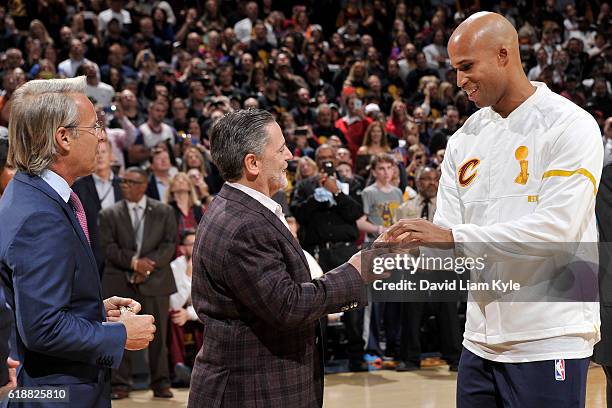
point(405, 236)
point(140, 329)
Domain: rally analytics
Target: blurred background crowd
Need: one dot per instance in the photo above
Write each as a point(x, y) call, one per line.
point(362, 89)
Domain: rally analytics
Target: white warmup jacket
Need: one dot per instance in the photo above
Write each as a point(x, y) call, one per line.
point(529, 178)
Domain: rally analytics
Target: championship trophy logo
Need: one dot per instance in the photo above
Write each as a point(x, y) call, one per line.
point(521, 154)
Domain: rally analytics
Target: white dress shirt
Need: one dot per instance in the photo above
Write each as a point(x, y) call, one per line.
point(266, 201)
point(105, 189)
point(137, 211)
point(57, 183)
point(182, 297)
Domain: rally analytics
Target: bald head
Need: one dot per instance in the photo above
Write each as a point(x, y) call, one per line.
point(485, 51)
point(486, 30)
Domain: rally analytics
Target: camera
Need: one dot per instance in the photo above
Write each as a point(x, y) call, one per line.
point(301, 131)
point(328, 168)
point(292, 166)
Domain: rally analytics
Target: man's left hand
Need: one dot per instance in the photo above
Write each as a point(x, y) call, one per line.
point(179, 316)
point(418, 230)
point(12, 384)
point(113, 305)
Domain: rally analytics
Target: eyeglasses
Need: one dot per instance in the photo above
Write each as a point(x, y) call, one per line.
point(97, 128)
point(130, 182)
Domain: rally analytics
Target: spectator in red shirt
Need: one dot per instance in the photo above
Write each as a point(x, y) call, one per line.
point(354, 123)
point(399, 117)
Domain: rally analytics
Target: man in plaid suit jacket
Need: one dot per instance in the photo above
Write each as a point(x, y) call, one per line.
point(251, 284)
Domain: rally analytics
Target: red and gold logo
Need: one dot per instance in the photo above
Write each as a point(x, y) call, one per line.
point(467, 172)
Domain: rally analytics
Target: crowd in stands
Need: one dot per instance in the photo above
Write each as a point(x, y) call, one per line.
point(363, 90)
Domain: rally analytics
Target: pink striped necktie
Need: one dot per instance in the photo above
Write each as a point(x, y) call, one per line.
point(76, 205)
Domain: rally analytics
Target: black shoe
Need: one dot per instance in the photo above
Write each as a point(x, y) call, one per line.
point(390, 354)
point(162, 392)
point(182, 373)
point(405, 366)
point(358, 366)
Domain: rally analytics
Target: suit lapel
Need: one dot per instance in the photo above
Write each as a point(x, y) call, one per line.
point(233, 194)
point(91, 186)
point(42, 185)
point(148, 221)
point(126, 222)
point(117, 190)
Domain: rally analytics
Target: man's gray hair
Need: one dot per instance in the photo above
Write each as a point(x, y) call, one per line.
point(322, 107)
point(425, 169)
point(134, 169)
point(38, 109)
point(235, 135)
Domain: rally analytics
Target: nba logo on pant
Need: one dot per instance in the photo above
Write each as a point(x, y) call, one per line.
point(560, 370)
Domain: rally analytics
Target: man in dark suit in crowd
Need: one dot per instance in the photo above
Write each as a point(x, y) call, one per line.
point(139, 237)
point(98, 191)
point(160, 174)
point(602, 353)
point(423, 205)
point(251, 284)
point(328, 230)
point(65, 335)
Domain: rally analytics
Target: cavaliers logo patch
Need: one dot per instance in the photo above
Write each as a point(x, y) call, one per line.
point(467, 172)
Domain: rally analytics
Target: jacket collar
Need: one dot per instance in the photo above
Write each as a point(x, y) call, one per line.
point(41, 185)
point(233, 194)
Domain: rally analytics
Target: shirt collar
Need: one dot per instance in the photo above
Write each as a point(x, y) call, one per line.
point(142, 203)
point(351, 119)
point(541, 89)
point(266, 201)
point(421, 200)
point(99, 179)
point(57, 183)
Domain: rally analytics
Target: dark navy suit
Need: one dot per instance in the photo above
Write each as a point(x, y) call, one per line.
point(6, 320)
point(54, 288)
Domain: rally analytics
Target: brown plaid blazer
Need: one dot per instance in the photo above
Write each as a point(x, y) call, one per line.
point(253, 292)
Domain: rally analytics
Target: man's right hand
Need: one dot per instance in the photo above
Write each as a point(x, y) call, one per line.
point(379, 248)
point(144, 266)
point(328, 183)
point(12, 384)
point(140, 330)
point(367, 275)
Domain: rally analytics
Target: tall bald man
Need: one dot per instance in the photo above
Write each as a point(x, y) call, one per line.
point(522, 169)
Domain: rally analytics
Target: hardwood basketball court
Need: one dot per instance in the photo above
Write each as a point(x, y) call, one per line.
point(428, 388)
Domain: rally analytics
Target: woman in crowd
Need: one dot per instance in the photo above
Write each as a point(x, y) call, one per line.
point(306, 167)
point(374, 142)
point(398, 118)
point(193, 158)
point(161, 28)
point(182, 197)
point(357, 78)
